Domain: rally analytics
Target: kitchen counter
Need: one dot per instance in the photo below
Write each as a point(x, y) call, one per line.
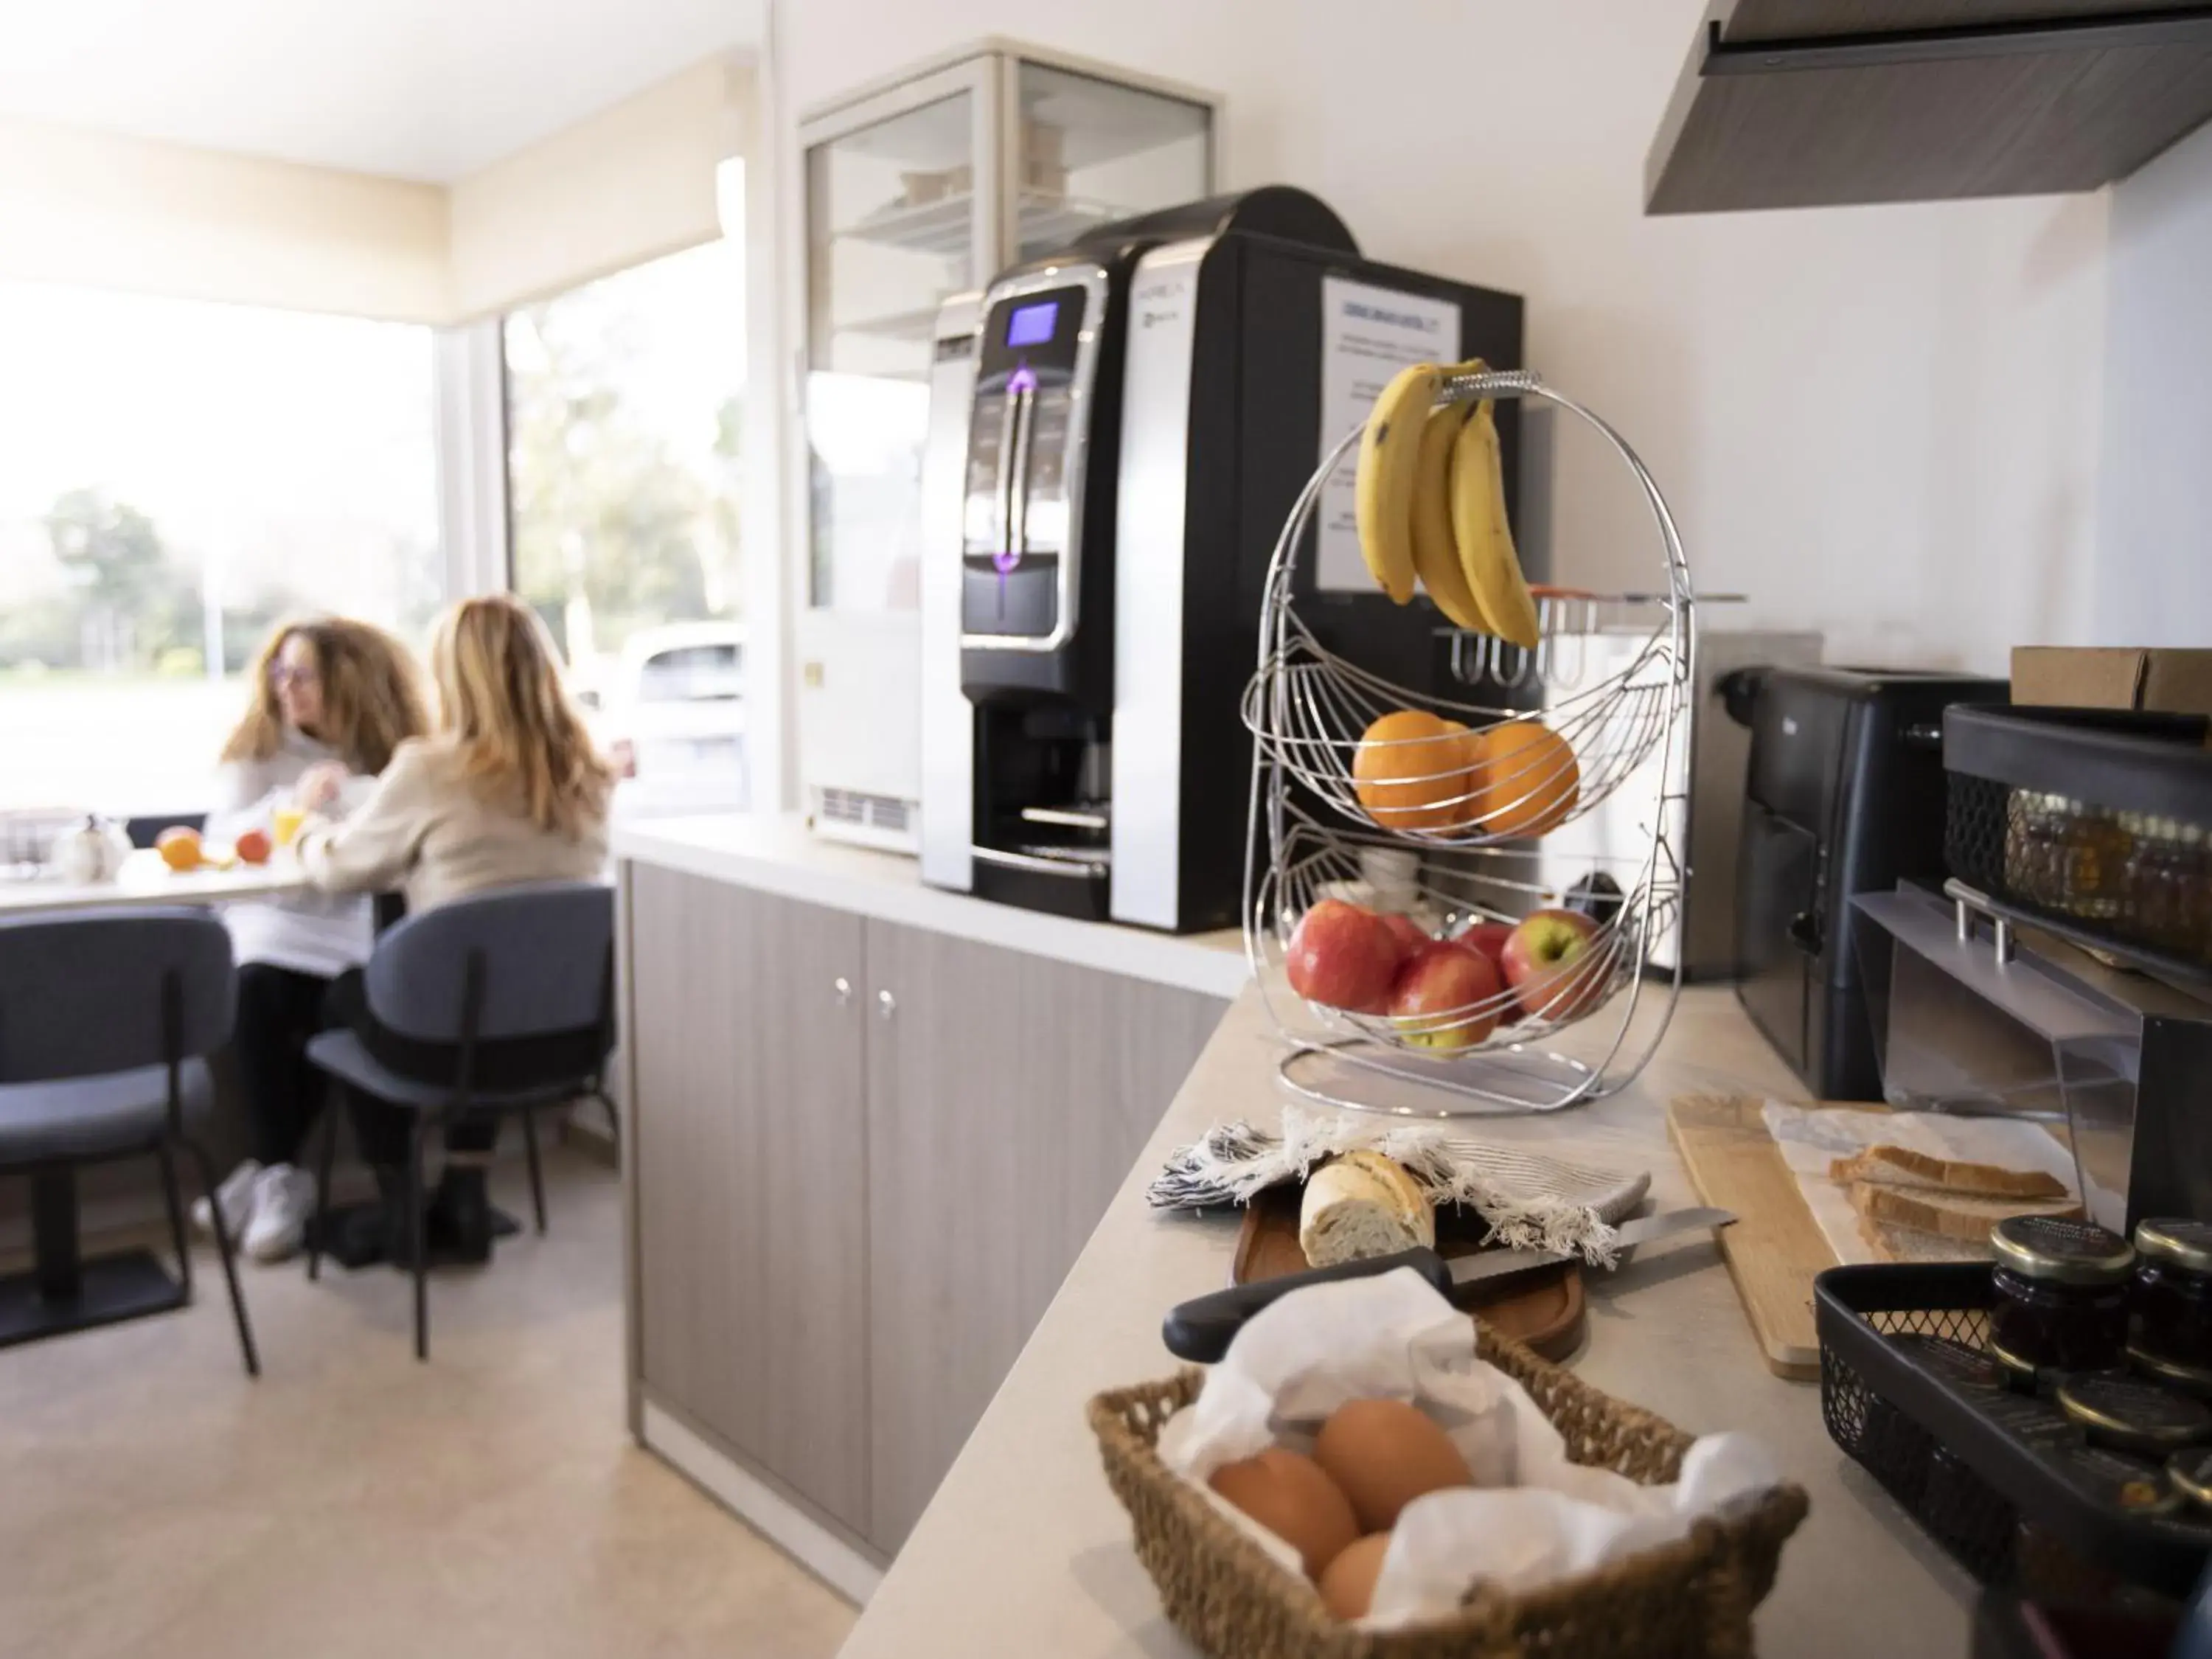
point(1024, 1551)
point(781, 855)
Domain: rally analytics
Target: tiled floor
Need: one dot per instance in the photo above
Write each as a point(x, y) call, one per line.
point(154, 1502)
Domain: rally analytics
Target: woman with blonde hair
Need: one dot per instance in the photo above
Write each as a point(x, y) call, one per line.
point(508, 789)
point(331, 699)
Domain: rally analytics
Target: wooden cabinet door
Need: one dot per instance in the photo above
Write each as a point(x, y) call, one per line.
point(749, 1135)
point(1008, 1095)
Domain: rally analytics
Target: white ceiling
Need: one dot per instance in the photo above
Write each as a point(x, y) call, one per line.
point(428, 89)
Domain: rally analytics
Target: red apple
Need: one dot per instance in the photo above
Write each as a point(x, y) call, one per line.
point(1487, 937)
point(254, 847)
point(1550, 963)
point(1445, 997)
point(1412, 940)
point(1343, 957)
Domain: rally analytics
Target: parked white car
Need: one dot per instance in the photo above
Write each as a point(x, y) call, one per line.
point(671, 716)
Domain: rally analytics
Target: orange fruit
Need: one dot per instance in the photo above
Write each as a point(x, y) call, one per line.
point(1414, 771)
point(1530, 781)
point(179, 848)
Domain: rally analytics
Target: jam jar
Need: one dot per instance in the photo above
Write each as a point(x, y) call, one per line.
point(2135, 1417)
point(2191, 1474)
point(2173, 1296)
point(2062, 1296)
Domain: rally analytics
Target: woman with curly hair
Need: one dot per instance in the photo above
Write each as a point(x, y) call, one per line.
point(331, 700)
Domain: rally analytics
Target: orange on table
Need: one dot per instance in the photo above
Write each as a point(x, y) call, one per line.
point(179, 848)
point(1413, 771)
point(1531, 782)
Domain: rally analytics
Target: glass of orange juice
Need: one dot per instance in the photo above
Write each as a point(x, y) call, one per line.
point(286, 821)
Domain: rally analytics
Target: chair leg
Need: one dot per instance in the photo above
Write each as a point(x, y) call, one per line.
point(416, 1206)
point(536, 1173)
point(168, 1159)
point(222, 1246)
point(319, 1227)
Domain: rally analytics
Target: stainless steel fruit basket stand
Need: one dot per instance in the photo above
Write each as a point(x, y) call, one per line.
point(1475, 830)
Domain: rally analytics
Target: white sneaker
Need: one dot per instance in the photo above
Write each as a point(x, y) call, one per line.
point(235, 1195)
point(283, 1199)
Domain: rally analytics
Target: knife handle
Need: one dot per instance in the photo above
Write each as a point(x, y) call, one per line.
point(1200, 1329)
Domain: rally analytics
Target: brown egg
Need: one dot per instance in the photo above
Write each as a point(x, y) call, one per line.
point(1286, 1492)
point(1347, 1588)
point(1384, 1454)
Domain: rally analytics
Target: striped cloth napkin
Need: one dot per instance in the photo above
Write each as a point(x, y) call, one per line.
point(1531, 1202)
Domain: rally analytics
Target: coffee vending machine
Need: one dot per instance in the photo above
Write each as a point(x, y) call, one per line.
point(1117, 433)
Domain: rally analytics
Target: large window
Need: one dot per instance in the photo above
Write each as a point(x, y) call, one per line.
point(175, 476)
point(626, 415)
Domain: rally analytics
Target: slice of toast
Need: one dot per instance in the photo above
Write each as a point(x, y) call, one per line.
point(1903, 1168)
point(1967, 1216)
point(1894, 1243)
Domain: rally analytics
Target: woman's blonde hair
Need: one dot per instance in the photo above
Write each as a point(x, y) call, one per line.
point(498, 678)
point(372, 695)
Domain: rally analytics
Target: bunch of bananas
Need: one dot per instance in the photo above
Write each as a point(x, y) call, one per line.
point(1432, 506)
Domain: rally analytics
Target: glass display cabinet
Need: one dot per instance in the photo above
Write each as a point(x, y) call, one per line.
point(914, 189)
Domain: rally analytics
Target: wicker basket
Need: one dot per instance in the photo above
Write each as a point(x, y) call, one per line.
point(1692, 1597)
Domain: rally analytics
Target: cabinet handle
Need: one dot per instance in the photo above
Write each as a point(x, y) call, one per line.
point(843, 988)
point(886, 1004)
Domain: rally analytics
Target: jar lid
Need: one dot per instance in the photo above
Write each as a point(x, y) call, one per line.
point(2061, 1249)
point(2191, 1474)
point(2134, 1416)
point(2189, 1379)
point(2184, 1244)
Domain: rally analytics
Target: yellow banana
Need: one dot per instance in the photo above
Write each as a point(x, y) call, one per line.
point(1390, 455)
point(1484, 538)
point(1435, 555)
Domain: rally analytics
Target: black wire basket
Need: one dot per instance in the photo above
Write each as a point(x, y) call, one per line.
point(2094, 822)
point(2000, 1478)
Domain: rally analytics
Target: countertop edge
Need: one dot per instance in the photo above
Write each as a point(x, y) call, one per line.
point(778, 856)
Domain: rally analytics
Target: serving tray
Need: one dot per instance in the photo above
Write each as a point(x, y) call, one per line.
point(1546, 1310)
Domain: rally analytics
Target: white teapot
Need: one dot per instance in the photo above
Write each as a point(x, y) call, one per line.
point(91, 851)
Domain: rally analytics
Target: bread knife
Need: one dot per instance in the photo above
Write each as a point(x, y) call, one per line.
point(1200, 1329)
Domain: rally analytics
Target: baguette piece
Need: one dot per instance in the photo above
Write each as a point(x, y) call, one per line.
point(1359, 1206)
point(1902, 1167)
point(1894, 1243)
point(1965, 1217)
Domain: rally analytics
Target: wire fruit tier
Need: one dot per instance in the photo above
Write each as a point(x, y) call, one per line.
point(1469, 793)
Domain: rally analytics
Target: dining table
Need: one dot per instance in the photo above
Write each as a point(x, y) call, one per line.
point(146, 878)
point(63, 1290)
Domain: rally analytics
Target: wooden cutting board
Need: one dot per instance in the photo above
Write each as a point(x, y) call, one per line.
point(1775, 1247)
point(1546, 1310)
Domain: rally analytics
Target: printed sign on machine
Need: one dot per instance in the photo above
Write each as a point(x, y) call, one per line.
point(1367, 334)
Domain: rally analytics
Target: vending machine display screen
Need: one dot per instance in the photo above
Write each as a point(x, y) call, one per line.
point(1029, 325)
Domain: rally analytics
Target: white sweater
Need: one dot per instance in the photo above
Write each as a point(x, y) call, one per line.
point(314, 932)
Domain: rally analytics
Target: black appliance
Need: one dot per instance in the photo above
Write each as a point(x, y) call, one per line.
point(1844, 795)
point(1118, 431)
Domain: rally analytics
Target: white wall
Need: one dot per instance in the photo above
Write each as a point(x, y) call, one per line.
point(625, 185)
point(1883, 421)
point(114, 212)
point(2155, 546)
point(628, 184)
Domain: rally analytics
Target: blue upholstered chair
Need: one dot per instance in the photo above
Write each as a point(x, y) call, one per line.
point(106, 1021)
point(499, 1006)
